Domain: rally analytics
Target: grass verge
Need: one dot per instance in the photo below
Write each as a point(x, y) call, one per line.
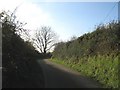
point(103, 69)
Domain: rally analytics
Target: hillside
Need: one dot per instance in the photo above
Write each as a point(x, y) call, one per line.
point(105, 40)
point(94, 54)
point(19, 66)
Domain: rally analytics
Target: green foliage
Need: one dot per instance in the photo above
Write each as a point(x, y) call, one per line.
point(94, 54)
point(103, 69)
point(105, 40)
point(20, 69)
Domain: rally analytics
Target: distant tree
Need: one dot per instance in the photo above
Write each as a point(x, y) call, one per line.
point(44, 39)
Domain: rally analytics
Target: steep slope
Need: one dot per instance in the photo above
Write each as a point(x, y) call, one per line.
point(94, 54)
point(19, 66)
point(105, 40)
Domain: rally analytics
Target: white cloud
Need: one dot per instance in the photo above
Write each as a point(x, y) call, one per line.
point(33, 15)
point(27, 12)
point(9, 4)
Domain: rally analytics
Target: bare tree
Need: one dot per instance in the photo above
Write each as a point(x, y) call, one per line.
point(44, 39)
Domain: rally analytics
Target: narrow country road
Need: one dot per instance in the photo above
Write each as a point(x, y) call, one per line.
point(58, 76)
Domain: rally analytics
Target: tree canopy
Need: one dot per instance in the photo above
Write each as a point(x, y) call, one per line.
point(105, 40)
point(44, 39)
point(18, 57)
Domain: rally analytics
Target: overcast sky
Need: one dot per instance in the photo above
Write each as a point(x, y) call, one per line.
point(65, 18)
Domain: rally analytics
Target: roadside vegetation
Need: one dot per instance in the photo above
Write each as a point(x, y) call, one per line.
point(19, 66)
point(94, 54)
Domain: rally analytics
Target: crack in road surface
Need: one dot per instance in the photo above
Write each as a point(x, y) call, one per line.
point(58, 76)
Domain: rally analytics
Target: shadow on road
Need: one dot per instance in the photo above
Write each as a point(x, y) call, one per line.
point(57, 76)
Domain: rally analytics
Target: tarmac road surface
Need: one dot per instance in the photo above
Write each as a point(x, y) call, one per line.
point(58, 76)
